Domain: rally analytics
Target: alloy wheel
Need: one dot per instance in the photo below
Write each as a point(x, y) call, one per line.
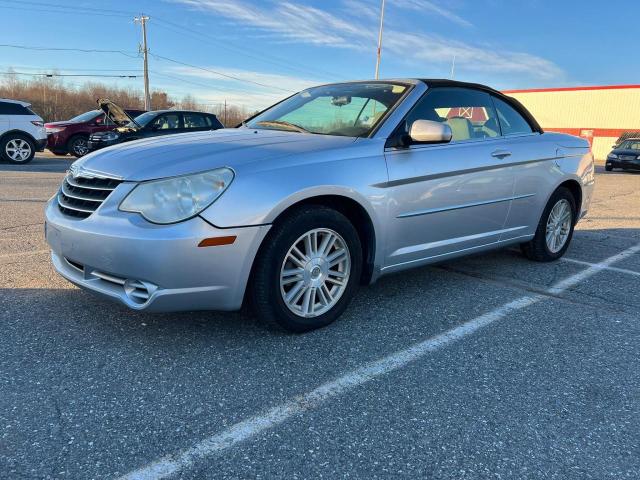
point(80, 147)
point(315, 272)
point(18, 150)
point(558, 226)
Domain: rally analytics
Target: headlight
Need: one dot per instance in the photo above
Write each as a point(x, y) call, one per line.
point(110, 136)
point(179, 198)
point(612, 155)
point(49, 130)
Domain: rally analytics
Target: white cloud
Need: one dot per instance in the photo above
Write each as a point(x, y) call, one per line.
point(427, 6)
point(291, 22)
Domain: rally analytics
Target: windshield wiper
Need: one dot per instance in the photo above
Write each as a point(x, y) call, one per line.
point(281, 123)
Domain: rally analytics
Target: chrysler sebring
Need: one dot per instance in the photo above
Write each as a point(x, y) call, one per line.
point(327, 190)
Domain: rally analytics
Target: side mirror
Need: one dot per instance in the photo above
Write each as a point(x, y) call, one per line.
point(428, 131)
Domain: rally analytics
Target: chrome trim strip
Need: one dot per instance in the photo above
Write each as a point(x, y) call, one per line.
point(73, 183)
point(64, 204)
point(108, 278)
point(79, 196)
point(465, 205)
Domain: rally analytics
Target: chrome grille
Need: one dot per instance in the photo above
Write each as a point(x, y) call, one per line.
point(80, 197)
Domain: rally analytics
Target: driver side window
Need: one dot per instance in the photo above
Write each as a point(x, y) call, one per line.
point(469, 113)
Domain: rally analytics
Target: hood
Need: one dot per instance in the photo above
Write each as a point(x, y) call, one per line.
point(623, 151)
point(63, 123)
point(182, 154)
point(114, 112)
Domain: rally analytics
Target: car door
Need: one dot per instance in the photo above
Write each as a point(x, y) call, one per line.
point(452, 197)
point(532, 160)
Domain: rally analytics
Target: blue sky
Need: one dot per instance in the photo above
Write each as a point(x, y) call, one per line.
point(284, 46)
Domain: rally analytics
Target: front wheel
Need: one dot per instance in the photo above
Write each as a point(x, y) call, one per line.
point(608, 168)
point(308, 270)
point(555, 228)
point(78, 146)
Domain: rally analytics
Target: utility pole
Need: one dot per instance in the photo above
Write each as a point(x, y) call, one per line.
point(143, 19)
point(453, 67)
point(225, 112)
point(380, 39)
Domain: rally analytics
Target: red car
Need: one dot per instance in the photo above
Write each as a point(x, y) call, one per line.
point(71, 136)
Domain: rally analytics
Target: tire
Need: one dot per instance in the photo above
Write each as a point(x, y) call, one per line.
point(17, 148)
point(608, 168)
point(272, 278)
point(539, 248)
point(77, 145)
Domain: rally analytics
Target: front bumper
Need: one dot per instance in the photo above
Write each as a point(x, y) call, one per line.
point(94, 144)
point(625, 164)
point(150, 267)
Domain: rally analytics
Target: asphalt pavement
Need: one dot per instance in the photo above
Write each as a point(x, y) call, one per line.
point(486, 367)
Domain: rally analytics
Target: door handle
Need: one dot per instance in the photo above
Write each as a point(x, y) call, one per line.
point(501, 154)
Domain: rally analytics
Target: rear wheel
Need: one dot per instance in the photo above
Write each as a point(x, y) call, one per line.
point(17, 148)
point(78, 146)
point(555, 228)
point(308, 270)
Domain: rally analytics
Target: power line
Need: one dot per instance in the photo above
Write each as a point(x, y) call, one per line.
point(65, 8)
point(232, 77)
point(266, 58)
point(60, 49)
point(69, 75)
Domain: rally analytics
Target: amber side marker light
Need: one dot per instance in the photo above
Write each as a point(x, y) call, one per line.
point(217, 241)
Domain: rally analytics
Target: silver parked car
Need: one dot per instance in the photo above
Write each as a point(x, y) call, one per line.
point(328, 189)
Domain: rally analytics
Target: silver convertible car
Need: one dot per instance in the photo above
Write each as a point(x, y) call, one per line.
point(328, 189)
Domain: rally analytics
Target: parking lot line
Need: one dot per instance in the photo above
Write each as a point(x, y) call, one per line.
point(244, 430)
point(612, 269)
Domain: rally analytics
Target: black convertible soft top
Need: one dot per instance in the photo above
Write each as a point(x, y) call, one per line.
point(442, 82)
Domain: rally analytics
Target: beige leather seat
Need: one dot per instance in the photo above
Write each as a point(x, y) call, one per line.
point(461, 128)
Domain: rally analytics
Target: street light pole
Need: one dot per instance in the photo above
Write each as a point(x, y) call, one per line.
point(143, 19)
point(380, 40)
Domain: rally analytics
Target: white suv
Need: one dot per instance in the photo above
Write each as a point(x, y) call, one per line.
point(22, 132)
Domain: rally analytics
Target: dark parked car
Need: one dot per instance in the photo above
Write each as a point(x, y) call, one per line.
point(149, 124)
point(71, 136)
point(625, 155)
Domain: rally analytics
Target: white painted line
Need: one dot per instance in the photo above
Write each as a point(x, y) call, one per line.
point(213, 445)
point(23, 254)
point(612, 269)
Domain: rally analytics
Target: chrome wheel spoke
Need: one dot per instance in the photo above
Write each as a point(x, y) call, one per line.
point(558, 226)
point(315, 272)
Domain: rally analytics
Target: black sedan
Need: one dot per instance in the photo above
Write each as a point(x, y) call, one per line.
point(625, 155)
point(149, 124)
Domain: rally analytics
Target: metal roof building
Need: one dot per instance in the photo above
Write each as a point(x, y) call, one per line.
point(599, 114)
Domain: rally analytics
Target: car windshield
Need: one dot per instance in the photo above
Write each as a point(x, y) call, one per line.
point(85, 117)
point(143, 119)
point(347, 109)
point(630, 145)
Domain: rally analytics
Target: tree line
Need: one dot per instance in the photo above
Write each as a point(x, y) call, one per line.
point(54, 100)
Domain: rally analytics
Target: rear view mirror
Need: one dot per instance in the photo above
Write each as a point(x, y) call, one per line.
point(427, 131)
point(341, 101)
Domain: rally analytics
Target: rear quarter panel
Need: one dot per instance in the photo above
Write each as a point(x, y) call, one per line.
point(562, 158)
